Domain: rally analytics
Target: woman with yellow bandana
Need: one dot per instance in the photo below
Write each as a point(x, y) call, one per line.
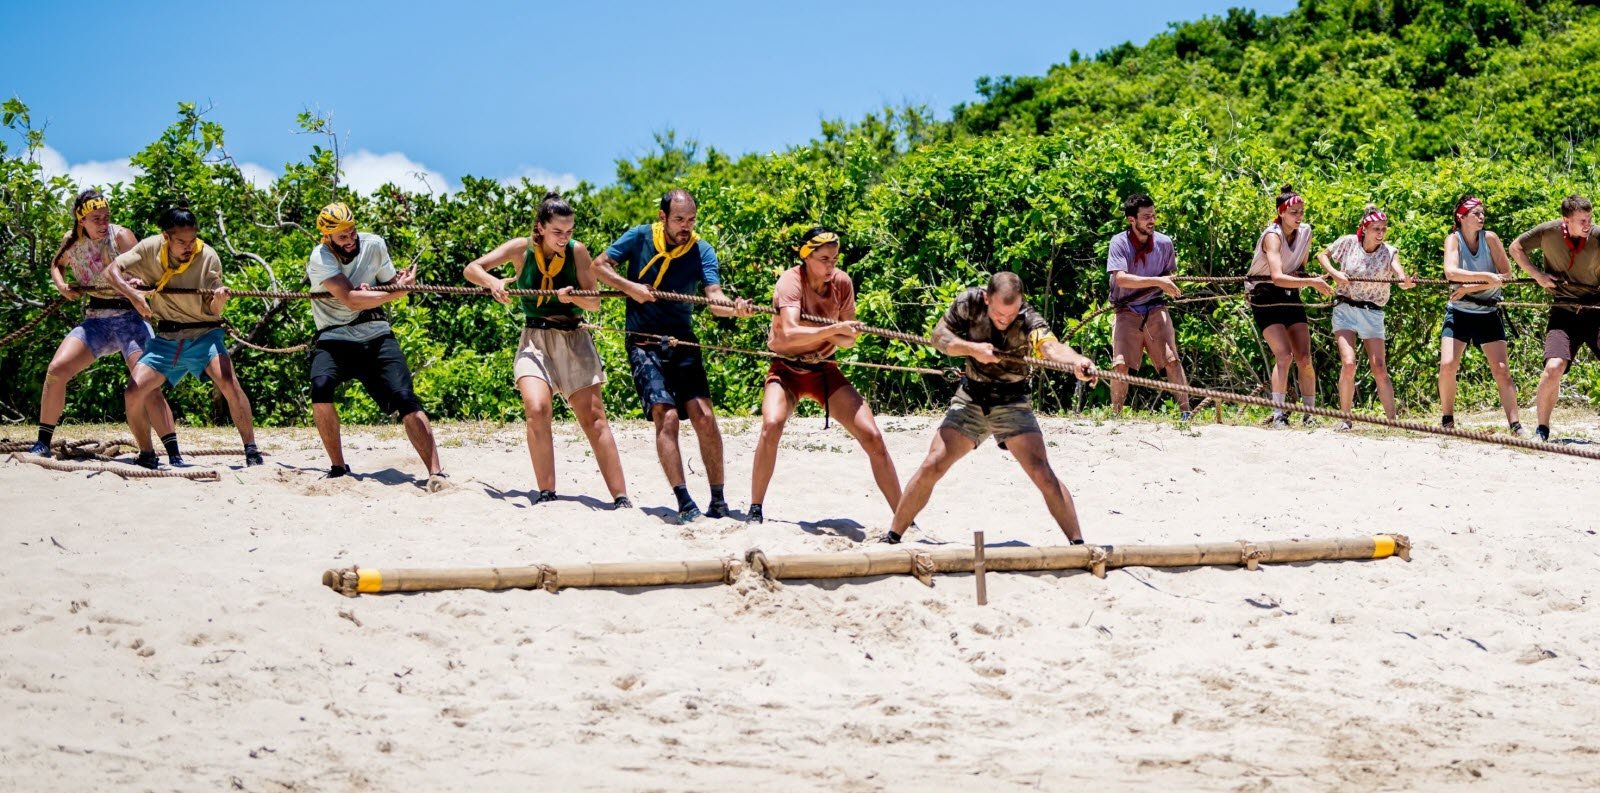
point(819, 288)
point(188, 323)
point(668, 256)
point(554, 355)
point(110, 325)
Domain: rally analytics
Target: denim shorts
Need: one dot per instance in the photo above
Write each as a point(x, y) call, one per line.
point(1367, 323)
point(178, 357)
point(107, 332)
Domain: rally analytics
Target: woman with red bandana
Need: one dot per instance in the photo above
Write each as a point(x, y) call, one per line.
point(1359, 302)
point(1277, 274)
point(1475, 260)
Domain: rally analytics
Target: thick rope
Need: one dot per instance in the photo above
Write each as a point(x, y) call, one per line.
point(120, 470)
point(1236, 279)
point(1242, 399)
point(239, 337)
point(29, 326)
point(950, 375)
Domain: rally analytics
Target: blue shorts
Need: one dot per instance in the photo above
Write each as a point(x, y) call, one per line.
point(106, 332)
point(1366, 323)
point(670, 377)
point(175, 358)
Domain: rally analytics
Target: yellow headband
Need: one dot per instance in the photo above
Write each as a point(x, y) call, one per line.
point(90, 206)
point(810, 247)
point(334, 218)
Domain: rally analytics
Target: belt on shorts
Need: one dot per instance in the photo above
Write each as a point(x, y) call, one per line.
point(991, 395)
point(557, 322)
point(164, 326)
point(112, 303)
point(1489, 302)
point(362, 318)
point(1366, 304)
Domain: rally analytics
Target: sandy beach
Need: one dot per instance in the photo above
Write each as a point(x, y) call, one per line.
point(175, 635)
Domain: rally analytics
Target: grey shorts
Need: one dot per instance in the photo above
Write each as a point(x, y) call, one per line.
point(1004, 422)
point(1366, 323)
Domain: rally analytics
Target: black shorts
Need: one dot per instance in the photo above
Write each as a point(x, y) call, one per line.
point(1472, 327)
point(1284, 307)
point(669, 377)
point(1570, 331)
point(377, 363)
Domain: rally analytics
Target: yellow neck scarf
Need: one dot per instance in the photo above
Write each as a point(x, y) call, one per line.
point(168, 272)
point(547, 275)
point(658, 235)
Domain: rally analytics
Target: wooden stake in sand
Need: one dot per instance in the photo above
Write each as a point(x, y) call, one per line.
point(922, 563)
point(978, 568)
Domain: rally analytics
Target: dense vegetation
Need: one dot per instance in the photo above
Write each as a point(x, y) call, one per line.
point(1405, 104)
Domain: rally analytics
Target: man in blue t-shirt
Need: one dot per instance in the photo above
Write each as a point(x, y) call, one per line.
point(667, 256)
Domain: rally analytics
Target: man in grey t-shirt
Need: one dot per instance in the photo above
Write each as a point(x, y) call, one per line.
point(354, 341)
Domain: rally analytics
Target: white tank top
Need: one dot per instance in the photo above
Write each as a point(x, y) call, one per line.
point(1293, 255)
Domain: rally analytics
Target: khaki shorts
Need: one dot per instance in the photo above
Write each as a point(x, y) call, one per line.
point(566, 359)
point(1134, 334)
point(1004, 422)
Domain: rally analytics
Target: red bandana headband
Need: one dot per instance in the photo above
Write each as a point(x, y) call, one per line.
point(1290, 202)
point(1375, 216)
point(1466, 207)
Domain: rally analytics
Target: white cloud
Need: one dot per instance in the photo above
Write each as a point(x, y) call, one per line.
point(258, 175)
point(560, 182)
point(94, 173)
point(365, 172)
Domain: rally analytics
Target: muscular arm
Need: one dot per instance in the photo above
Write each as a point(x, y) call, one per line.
point(357, 299)
point(789, 337)
point(1272, 246)
point(1521, 256)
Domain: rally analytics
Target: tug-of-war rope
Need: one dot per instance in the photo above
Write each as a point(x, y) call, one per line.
point(1207, 394)
point(97, 456)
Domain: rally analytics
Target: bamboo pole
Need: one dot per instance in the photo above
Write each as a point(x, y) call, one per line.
point(978, 568)
point(922, 563)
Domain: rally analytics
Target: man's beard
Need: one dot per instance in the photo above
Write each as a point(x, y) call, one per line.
point(345, 257)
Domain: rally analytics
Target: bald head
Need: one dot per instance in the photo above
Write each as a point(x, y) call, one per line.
point(677, 216)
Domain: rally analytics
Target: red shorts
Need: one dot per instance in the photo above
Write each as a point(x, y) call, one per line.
point(818, 382)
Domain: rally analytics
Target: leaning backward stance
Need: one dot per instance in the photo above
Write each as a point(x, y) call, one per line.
point(819, 288)
point(991, 326)
point(110, 325)
point(188, 336)
point(354, 340)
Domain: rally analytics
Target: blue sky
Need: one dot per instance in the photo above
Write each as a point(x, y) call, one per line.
point(503, 89)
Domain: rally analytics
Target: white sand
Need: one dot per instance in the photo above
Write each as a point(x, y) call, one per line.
point(170, 635)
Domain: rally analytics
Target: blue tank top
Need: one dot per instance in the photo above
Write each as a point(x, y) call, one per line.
point(1480, 262)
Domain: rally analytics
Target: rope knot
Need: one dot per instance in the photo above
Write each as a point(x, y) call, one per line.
point(549, 579)
point(758, 563)
point(922, 567)
point(731, 569)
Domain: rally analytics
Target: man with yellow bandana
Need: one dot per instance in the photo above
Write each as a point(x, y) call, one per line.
point(668, 256)
point(992, 327)
point(188, 325)
point(354, 341)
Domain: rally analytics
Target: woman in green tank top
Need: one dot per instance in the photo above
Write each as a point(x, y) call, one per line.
point(554, 355)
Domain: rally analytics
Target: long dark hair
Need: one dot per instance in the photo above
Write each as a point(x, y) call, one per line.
point(77, 231)
point(553, 206)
